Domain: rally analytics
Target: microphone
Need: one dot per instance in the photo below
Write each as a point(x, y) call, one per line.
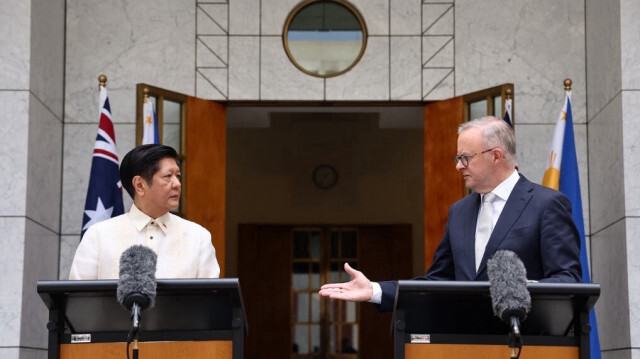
point(137, 283)
point(509, 295)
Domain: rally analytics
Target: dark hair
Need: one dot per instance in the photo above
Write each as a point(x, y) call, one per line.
point(143, 161)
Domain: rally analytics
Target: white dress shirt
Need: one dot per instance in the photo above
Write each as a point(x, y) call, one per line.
point(184, 248)
point(502, 192)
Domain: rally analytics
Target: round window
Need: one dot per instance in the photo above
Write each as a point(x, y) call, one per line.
point(324, 38)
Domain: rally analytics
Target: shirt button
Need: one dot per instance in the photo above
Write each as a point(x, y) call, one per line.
point(150, 237)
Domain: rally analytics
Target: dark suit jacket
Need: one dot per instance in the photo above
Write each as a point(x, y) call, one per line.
point(535, 223)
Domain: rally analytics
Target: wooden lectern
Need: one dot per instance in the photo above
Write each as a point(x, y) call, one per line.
point(192, 318)
point(442, 319)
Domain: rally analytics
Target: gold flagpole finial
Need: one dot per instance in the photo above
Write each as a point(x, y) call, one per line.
point(567, 84)
point(103, 80)
point(508, 93)
point(146, 94)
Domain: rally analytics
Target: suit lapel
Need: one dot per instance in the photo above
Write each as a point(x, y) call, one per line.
point(469, 231)
point(516, 203)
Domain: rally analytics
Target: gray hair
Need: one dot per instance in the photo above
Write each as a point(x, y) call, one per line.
point(495, 133)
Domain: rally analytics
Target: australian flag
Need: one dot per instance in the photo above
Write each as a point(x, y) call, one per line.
point(104, 197)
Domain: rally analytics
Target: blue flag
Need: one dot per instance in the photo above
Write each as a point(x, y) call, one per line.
point(104, 197)
point(507, 111)
point(569, 184)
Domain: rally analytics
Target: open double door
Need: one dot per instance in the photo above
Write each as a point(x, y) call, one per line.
point(268, 268)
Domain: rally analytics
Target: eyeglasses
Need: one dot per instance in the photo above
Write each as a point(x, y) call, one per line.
point(465, 158)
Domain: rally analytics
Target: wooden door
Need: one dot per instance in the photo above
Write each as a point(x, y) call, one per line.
point(443, 184)
point(265, 261)
point(205, 170)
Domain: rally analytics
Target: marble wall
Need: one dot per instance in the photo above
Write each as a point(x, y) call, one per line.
point(613, 110)
point(408, 56)
point(31, 87)
point(630, 90)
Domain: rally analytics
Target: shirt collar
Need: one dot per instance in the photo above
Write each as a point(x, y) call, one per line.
point(503, 190)
point(141, 220)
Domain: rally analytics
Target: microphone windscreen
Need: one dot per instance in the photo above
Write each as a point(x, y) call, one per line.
point(137, 281)
point(508, 285)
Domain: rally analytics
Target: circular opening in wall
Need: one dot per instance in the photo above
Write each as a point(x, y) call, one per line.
point(324, 38)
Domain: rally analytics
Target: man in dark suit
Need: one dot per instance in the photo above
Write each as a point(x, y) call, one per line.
point(505, 211)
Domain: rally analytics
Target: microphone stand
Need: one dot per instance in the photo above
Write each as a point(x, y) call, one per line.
point(135, 329)
point(515, 338)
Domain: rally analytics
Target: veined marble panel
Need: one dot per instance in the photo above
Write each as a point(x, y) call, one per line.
point(212, 51)
point(10, 353)
point(438, 83)
point(280, 79)
point(438, 19)
point(621, 354)
point(273, 15)
point(244, 17)
point(212, 19)
point(603, 42)
point(244, 67)
point(633, 251)
point(47, 53)
point(368, 80)
point(143, 39)
point(629, 47)
point(44, 172)
point(548, 47)
point(212, 84)
point(15, 57)
point(405, 68)
point(610, 260)
point(122, 100)
point(29, 353)
point(14, 121)
point(41, 251)
point(533, 143)
point(405, 17)
point(78, 151)
point(68, 246)
point(437, 51)
point(11, 267)
point(631, 154)
point(376, 15)
point(607, 163)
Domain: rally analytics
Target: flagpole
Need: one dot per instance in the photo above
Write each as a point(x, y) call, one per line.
point(567, 85)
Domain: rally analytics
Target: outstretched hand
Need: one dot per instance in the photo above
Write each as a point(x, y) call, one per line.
point(357, 290)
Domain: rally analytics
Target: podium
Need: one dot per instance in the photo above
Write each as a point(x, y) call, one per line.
point(452, 319)
point(191, 318)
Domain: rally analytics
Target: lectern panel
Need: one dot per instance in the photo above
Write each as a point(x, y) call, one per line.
point(97, 312)
point(448, 351)
point(472, 313)
point(164, 350)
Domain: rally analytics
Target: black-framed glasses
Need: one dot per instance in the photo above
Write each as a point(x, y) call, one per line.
point(465, 158)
